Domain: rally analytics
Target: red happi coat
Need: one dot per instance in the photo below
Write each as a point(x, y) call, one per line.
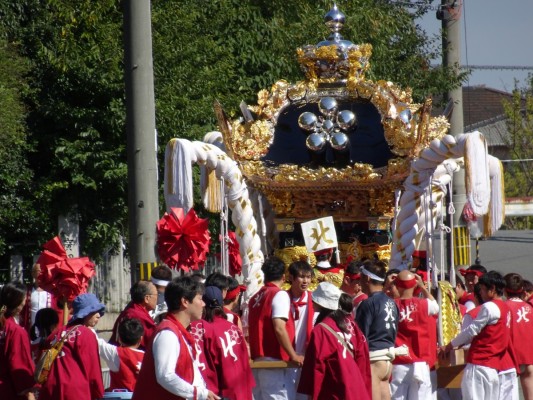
point(129, 368)
point(490, 347)
point(16, 364)
point(330, 372)
point(147, 386)
point(263, 340)
point(223, 358)
point(134, 310)
point(417, 330)
point(521, 328)
point(76, 373)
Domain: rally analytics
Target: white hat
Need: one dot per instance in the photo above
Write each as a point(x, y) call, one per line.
point(327, 295)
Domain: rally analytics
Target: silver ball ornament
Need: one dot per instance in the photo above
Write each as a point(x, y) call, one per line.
point(328, 125)
point(339, 141)
point(307, 121)
point(315, 142)
point(327, 106)
point(346, 119)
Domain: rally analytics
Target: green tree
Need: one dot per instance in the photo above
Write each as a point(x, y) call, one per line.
point(76, 114)
point(519, 174)
point(203, 50)
point(18, 215)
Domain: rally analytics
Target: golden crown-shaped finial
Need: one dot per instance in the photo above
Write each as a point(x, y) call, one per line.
point(334, 60)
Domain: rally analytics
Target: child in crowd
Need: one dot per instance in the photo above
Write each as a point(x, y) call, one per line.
point(124, 361)
point(46, 321)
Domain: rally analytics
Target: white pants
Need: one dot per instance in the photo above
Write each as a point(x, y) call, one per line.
point(508, 384)
point(274, 384)
point(411, 382)
point(480, 383)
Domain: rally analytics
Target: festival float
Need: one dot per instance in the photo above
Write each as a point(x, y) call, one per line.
point(339, 145)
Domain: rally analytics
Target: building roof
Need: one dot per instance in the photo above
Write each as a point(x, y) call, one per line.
point(483, 111)
point(494, 130)
point(481, 103)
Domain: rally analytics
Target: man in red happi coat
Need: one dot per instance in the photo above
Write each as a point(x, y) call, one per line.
point(351, 284)
point(416, 330)
point(271, 333)
point(489, 335)
point(521, 328)
point(222, 351)
point(169, 370)
point(143, 300)
point(300, 275)
point(471, 276)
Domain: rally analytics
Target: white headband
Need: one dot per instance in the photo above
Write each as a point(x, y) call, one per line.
point(159, 282)
point(371, 275)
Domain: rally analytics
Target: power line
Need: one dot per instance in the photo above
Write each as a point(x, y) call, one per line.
point(499, 67)
point(417, 4)
point(493, 67)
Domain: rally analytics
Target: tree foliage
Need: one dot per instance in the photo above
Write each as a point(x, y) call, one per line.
point(16, 189)
point(519, 174)
point(73, 111)
point(519, 113)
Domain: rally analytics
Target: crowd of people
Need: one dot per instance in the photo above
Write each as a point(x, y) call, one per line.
point(374, 337)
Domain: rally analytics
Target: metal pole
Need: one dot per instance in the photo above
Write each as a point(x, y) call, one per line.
point(451, 58)
point(143, 199)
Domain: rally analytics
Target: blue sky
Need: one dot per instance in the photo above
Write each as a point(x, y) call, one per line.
point(497, 33)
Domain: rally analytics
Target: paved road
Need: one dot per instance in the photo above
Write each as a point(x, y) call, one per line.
point(506, 251)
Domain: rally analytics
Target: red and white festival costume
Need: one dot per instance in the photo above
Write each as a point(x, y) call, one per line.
point(268, 303)
point(521, 328)
point(76, 373)
point(330, 372)
point(134, 310)
point(467, 300)
point(489, 334)
point(223, 359)
point(169, 371)
point(507, 371)
point(303, 315)
point(124, 364)
point(411, 374)
point(16, 364)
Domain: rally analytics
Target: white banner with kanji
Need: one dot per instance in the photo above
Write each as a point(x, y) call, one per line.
point(319, 234)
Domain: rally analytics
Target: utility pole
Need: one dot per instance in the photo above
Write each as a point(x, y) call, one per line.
point(143, 199)
point(450, 15)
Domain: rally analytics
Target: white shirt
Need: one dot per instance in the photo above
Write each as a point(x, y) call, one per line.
point(166, 350)
point(39, 299)
point(433, 307)
point(300, 325)
point(470, 305)
point(489, 314)
point(281, 305)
